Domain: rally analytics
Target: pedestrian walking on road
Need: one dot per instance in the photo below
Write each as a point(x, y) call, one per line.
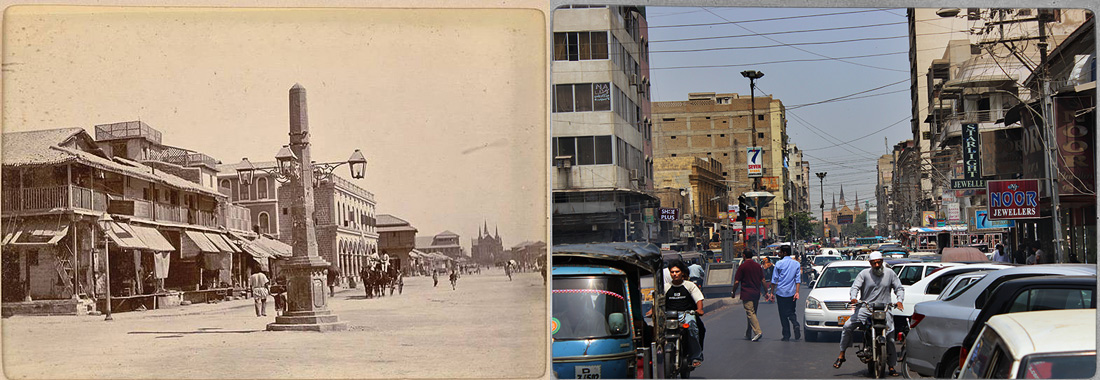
point(259, 282)
point(750, 278)
point(278, 292)
point(769, 270)
point(786, 282)
point(999, 254)
point(333, 277)
point(435, 277)
point(454, 279)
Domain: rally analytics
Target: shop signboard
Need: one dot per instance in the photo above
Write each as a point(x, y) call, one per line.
point(669, 214)
point(755, 161)
point(928, 219)
point(1013, 199)
point(844, 219)
point(982, 221)
point(972, 160)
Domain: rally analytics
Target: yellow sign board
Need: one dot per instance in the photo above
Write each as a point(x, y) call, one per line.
point(757, 221)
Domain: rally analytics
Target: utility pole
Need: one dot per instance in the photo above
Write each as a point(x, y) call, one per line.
point(1051, 147)
point(821, 177)
point(753, 75)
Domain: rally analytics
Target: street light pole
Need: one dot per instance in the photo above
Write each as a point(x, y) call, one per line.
point(821, 177)
point(753, 75)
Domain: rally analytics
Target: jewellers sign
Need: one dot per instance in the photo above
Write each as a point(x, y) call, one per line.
point(972, 160)
point(1013, 199)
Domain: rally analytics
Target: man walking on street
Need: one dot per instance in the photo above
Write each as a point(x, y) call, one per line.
point(751, 279)
point(258, 282)
point(786, 280)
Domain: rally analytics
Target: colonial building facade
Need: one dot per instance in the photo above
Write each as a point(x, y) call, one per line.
point(485, 248)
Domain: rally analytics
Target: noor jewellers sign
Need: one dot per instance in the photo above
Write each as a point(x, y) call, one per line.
point(1013, 199)
point(972, 160)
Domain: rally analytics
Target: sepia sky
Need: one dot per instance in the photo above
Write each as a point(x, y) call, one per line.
point(448, 106)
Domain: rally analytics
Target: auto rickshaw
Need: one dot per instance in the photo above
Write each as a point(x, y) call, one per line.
point(598, 324)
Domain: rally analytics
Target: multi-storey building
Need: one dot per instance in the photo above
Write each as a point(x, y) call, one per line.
point(906, 187)
point(397, 238)
point(703, 198)
point(445, 243)
point(345, 214)
point(978, 80)
point(485, 248)
point(603, 163)
point(75, 208)
point(884, 194)
point(719, 127)
point(798, 172)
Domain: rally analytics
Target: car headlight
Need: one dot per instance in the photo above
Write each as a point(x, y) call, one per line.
point(812, 303)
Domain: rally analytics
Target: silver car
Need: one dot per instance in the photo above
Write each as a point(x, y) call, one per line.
point(938, 327)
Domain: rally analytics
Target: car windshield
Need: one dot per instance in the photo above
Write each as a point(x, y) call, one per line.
point(1079, 366)
point(822, 260)
point(839, 277)
point(589, 307)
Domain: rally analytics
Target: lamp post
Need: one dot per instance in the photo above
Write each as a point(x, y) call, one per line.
point(753, 75)
point(821, 177)
point(104, 222)
point(307, 309)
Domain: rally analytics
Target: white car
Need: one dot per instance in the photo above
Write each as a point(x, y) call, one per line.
point(1028, 346)
point(827, 304)
point(961, 282)
point(930, 285)
point(820, 261)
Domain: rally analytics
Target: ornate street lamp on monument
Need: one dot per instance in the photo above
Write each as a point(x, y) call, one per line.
point(307, 309)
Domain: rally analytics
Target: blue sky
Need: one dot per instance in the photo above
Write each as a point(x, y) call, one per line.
point(806, 65)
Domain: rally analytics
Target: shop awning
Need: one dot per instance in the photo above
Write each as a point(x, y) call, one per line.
point(37, 233)
point(124, 236)
point(278, 248)
point(259, 254)
point(153, 239)
point(232, 243)
point(194, 243)
point(223, 246)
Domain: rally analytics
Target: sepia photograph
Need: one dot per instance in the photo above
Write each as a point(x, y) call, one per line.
point(241, 193)
point(821, 191)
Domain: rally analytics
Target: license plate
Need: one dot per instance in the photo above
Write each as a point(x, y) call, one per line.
point(587, 371)
point(843, 318)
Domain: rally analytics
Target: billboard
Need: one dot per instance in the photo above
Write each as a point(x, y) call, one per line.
point(755, 161)
point(844, 219)
point(669, 214)
point(972, 160)
point(1013, 199)
point(928, 219)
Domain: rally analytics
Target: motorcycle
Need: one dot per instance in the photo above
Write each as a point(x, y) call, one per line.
point(873, 350)
point(680, 345)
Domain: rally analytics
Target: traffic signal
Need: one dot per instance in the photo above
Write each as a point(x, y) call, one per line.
point(744, 211)
point(631, 227)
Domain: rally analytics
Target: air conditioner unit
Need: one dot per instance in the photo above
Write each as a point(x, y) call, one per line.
point(645, 79)
point(633, 174)
point(633, 79)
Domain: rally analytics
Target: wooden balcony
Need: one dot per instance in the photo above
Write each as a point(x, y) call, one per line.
point(68, 197)
point(53, 198)
point(238, 218)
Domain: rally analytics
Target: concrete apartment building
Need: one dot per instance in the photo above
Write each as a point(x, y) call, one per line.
point(718, 127)
point(798, 171)
point(345, 214)
point(601, 128)
point(884, 193)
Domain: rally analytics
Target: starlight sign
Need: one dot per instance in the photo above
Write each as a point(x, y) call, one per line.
point(972, 160)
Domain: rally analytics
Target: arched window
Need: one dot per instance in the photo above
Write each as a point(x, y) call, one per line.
point(265, 223)
point(261, 188)
point(225, 183)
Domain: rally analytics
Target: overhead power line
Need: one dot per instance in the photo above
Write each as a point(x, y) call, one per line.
point(781, 44)
point(774, 33)
point(767, 19)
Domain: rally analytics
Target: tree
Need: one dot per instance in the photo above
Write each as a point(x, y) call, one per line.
point(803, 225)
point(858, 228)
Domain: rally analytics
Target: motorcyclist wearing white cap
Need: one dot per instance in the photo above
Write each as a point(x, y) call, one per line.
point(872, 285)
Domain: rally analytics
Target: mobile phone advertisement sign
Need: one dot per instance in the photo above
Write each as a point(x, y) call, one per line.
point(756, 161)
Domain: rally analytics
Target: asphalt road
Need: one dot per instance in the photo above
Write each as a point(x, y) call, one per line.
point(728, 355)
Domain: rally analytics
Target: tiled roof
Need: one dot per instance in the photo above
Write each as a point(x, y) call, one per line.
point(39, 148)
point(33, 147)
point(386, 220)
point(447, 234)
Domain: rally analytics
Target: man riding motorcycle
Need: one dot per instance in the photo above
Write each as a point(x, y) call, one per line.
point(681, 295)
point(873, 285)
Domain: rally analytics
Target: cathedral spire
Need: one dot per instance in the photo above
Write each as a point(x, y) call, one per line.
point(834, 200)
point(842, 202)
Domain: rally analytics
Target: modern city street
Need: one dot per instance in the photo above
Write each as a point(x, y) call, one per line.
point(424, 332)
point(730, 356)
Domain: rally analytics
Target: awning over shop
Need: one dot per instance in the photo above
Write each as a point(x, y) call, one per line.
point(39, 232)
point(195, 243)
point(259, 254)
point(232, 243)
point(153, 239)
point(123, 235)
point(277, 248)
point(223, 246)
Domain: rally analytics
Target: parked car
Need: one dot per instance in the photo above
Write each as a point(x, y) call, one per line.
point(1035, 294)
point(1028, 346)
point(938, 327)
point(961, 282)
point(820, 261)
point(926, 256)
point(827, 305)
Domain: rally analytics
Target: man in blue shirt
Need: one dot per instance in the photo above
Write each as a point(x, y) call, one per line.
point(786, 281)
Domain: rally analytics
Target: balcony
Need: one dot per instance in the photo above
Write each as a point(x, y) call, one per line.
point(61, 198)
point(238, 218)
point(53, 198)
point(183, 157)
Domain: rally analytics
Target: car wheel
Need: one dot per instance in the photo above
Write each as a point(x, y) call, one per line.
point(811, 336)
point(949, 368)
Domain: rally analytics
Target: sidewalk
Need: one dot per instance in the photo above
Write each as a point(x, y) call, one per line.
point(488, 327)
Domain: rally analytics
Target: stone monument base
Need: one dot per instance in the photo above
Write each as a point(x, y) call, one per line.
point(321, 320)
